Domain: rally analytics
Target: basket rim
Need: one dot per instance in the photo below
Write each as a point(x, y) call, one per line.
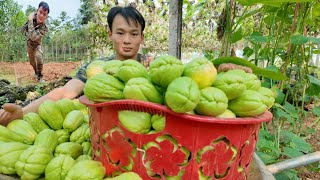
point(265, 117)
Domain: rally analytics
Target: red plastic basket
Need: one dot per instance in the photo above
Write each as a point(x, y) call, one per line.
point(219, 148)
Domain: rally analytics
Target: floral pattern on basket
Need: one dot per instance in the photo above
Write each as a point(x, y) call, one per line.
point(165, 157)
point(216, 152)
point(95, 138)
point(245, 157)
point(120, 150)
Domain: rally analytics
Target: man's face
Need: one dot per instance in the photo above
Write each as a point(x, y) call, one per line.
point(42, 15)
point(126, 38)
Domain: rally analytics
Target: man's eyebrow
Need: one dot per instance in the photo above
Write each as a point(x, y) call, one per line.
point(121, 29)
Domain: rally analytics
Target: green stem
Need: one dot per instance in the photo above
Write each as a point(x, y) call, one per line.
point(240, 19)
point(278, 134)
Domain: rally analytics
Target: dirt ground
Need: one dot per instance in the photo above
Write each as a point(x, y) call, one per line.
point(23, 72)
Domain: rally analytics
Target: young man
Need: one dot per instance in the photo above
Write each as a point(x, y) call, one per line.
point(126, 26)
point(35, 29)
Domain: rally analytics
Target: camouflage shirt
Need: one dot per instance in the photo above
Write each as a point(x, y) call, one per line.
point(34, 32)
point(81, 74)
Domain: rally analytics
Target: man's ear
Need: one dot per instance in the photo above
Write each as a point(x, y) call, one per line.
point(142, 38)
point(109, 35)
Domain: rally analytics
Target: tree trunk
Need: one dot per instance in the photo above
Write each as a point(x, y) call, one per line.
point(175, 28)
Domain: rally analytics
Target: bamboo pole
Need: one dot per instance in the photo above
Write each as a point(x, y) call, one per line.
point(294, 162)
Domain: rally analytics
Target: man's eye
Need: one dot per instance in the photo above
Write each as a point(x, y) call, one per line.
point(120, 33)
point(134, 34)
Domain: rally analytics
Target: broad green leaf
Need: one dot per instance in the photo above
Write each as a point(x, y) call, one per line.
point(314, 40)
point(264, 134)
point(290, 174)
point(252, 2)
point(316, 51)
point(264, 144)
point(314, 87)
point(291, 110)
point(279, 95)
point(266, 158)
point(268, 2)
point(302, 145)
point(250, 14)
point(316, 111)
point(296, 141)
point(282, 114)
point(288, 136)
point(315, 12)
point(256, 70)
point(256, 37)
point(247, 51)
point(291, 153)
point(298, 39)
point(237, 36)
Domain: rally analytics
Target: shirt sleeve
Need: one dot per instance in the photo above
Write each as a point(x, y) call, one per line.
point(146, 60)
point(36, 34)
point(81, 74)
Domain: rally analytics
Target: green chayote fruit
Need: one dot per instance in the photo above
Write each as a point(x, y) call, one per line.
point(231, 83)
point(252, 81)
point(103, 87)
point(227, 114)
point(131, 69)
point(81, 134)
point(58, 167)
point(142, 89)
point(158, 122)
point(213, 102)
point(69, 148)
point(126, 176)
point(137, 122)
point(94, 68)
point(83, 157)
point(48, 139)
point(33, 162)
point(87, 148)
point(63, 135)
point(268, 96)
point(112, 67)
point(182, 95)
point(164, 69)
point(73, 120)
point(86, 169)
point(248, 104)
point(66, 106)
point(9, 155)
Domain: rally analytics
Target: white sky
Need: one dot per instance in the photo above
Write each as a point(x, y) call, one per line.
point(56, 6)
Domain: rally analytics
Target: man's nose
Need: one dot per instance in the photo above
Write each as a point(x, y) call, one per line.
point(127, 38)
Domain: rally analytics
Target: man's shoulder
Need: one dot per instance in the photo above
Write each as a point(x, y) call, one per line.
point(145, 59)
point(44, 27)
point(109, 58)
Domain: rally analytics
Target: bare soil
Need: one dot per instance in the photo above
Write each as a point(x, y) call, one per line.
point(22, 72)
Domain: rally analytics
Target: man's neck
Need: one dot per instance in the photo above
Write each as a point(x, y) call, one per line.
point(125, 58)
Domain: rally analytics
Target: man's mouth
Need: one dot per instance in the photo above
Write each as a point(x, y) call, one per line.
point(126, 49)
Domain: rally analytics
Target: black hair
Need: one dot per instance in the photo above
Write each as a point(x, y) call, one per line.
point(45, 6)
point(129, 13)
